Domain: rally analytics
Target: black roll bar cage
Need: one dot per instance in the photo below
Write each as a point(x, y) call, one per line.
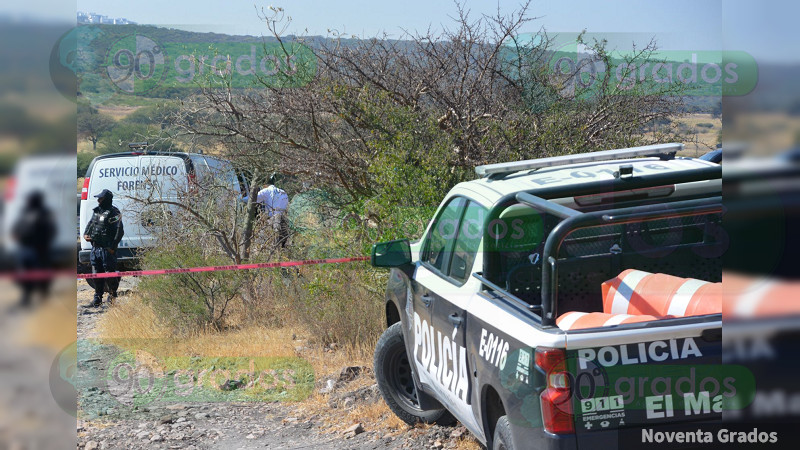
point(603, 218)
point(574, 220)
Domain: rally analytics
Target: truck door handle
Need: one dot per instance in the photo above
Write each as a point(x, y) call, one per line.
point(426, 300)
point(455, 319)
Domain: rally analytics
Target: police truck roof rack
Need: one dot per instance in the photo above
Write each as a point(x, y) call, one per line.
point(663, 151)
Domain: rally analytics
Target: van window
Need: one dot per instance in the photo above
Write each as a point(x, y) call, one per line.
point(200, 168)
point(223, 172)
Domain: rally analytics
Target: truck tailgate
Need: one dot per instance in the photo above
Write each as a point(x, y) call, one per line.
point(648, 376)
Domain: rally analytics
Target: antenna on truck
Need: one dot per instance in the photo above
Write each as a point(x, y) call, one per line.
point(663, 151)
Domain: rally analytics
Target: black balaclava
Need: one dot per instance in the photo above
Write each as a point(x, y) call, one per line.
point(105, 201)
point(36, 200)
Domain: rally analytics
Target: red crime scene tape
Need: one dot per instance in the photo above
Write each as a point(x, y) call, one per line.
point(46, 274)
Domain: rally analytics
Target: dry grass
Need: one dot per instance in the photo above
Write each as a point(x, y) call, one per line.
point(11, 144)
point(131, 322)
point(766, 133)
point(283, 321)
point(374, 416)
point(130, 318)
point(117, 112)
point(133, 325)
point(706, 138)
point(468, 443)
point(45, 105)
point(52, 324)
point(84, 145)
point(371, 416)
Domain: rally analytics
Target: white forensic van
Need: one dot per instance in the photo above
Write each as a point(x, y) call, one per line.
point(53, 176)
point(132, 176)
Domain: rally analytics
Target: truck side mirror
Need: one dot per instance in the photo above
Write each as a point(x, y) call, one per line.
point(391, 254)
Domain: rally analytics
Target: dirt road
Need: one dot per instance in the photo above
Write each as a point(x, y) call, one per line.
point(31, 416)
point(106, 420)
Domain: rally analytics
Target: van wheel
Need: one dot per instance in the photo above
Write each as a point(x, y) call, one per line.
point(86, 268)
point(502, 435)
point(393, 373)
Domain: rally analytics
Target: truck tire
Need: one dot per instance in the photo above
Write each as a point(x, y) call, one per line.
point(393, 374)
point(502, 435)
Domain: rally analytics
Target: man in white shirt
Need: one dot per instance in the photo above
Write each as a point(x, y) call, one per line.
point(273, 201)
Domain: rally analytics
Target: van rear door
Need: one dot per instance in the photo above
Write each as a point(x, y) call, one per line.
point(163, 178)
point(136, 180)
point(114, 174)
point(52, 176)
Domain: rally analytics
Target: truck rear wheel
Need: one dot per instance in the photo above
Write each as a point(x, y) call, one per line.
point(393, 373)
point(502, 435)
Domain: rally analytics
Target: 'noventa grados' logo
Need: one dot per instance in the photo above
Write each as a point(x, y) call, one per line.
point(136, 64)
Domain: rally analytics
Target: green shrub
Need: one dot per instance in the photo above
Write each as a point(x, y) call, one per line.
point(190, 301)
point(156, 115)
point(84, 159)
point(118, 138)
point(340, 303)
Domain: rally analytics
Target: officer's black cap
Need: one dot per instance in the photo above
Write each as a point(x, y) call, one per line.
point(104, 193)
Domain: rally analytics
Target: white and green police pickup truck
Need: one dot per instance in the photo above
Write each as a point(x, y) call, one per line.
point(565, 302)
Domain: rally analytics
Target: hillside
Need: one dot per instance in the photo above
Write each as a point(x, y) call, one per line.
point(100, 42)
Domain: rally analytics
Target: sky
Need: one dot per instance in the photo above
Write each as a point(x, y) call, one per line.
point(763, 28)
point(370, 17)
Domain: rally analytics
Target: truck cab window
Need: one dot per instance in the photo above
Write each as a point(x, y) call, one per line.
point(516, 239)
point(469, 238)
point(442, 235)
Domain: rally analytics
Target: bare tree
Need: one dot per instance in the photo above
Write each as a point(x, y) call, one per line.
point(491, 96)
point(384, 121)
point(436, 102)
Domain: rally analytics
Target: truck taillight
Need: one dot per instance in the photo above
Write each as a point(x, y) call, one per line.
point(557, 396)
point(11, 187)
point(85, 189)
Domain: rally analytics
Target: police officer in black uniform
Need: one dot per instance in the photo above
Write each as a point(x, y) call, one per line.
point(104, 231)
point(34, 231)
